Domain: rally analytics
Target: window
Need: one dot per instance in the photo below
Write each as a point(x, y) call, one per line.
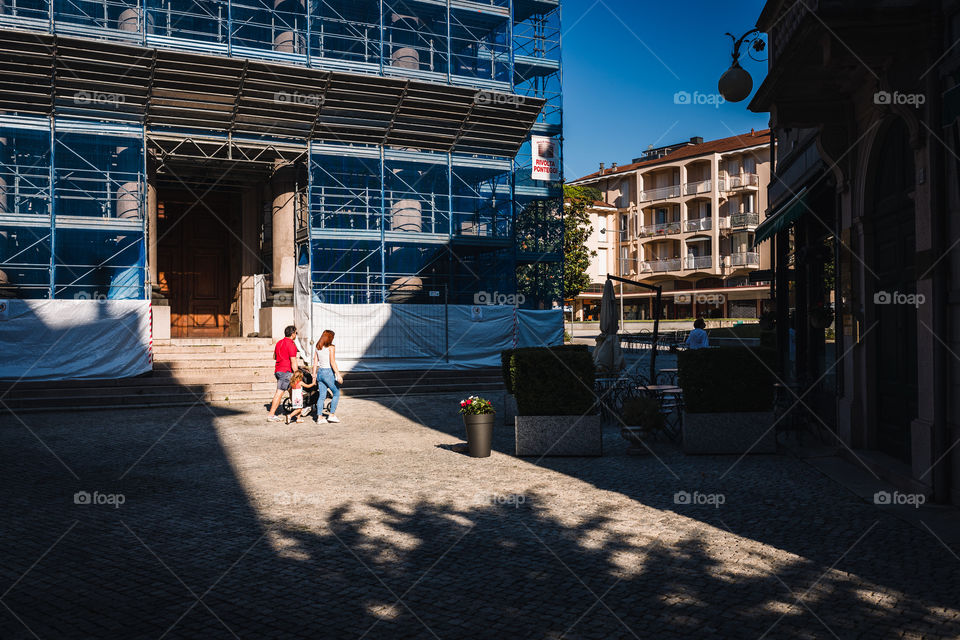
point(624, 200)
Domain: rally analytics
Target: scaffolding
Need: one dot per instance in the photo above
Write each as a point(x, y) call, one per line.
point(87, 240)
point(410, 120)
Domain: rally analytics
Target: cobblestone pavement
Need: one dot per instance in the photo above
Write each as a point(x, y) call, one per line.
point(211, 523)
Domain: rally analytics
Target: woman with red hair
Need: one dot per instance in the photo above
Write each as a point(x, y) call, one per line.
point(325, 372)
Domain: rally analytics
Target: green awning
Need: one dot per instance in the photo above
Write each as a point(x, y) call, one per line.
point(782, 218)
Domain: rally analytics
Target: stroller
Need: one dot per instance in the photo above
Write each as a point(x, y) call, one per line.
point(310, 394)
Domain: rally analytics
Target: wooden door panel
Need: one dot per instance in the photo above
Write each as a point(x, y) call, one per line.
point(194, 256)
point(205, 317)
point(206, 275)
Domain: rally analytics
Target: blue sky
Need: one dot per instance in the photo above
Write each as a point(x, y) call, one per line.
point(623, 62)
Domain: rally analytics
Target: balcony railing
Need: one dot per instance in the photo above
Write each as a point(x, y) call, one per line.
point(660, 266)
point(698, 262)
point(746, 219)
point(698, 224)
point(660, 229)
point(693, 188)
point(743, 181)
point(739, 220)
point(748, 259)
point(660, 193)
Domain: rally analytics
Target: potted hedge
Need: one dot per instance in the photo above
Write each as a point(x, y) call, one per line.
point(509, 401)
point(728, 400)
point(556, 406)
point(478, 416)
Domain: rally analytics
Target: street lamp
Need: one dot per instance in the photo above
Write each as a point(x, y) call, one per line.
point(736, 84)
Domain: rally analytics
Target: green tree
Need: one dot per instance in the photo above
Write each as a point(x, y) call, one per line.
point(576, 232)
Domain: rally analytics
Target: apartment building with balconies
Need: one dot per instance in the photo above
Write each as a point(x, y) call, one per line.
point(602, 243)
point(686, 217)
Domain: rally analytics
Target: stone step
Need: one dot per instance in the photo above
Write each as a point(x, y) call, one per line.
point(153, 400)
point(185, 387)
point(214, 375)
point(220, 365)
point(212, 350)
point(186, 398)
point(259, 375)
point(207, 357)
point(220, 342)
point(144, 390)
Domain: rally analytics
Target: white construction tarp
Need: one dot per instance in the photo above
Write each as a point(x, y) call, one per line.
point(72, 339)
point(302, 299)
point(381, 337)
point(539, 328)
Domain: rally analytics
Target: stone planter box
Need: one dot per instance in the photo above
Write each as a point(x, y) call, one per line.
point(558, 436)
point(729, 433)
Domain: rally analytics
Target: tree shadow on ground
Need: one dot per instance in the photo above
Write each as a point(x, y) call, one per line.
point(190, 554)
point(826, 528)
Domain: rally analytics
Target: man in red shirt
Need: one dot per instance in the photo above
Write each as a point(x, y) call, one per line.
point(285, 353)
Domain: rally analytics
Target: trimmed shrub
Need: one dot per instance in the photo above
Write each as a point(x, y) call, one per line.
point(505, 356)
point(727, 379)
point(553, 381)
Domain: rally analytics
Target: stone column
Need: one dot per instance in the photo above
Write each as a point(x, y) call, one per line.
point(284, 189)
point(290, 41)
point(249, 261)
point(277, 311)
point(153, 232)
point(405, 28)
point(130, 20)
point(406, 214)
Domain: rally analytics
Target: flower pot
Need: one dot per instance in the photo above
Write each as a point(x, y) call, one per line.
point(479, 434)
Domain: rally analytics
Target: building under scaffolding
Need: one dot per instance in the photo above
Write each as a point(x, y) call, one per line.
point(203, 153)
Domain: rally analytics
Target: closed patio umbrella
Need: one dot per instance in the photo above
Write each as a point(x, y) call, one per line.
point(607, 356)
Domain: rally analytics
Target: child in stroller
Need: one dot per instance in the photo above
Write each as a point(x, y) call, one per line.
point(311, 394)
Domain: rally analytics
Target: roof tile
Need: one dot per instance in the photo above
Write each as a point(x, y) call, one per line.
point(722, 145)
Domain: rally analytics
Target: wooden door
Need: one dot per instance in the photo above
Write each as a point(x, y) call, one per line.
point(194, 262)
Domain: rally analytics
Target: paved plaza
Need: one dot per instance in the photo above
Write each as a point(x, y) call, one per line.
point(211, 523)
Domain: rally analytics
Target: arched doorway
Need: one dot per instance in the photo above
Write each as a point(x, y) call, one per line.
point(894, 249)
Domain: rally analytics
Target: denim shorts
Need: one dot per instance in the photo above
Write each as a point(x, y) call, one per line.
point(283, 379)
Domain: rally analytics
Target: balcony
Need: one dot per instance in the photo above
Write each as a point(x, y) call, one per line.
point(698, 224)
point(660, 266)
point(698, 262)
point(695, 188)
point(660, 229)
point(743, 181)
point(748, 259)
point(660, 193)
point(740, 221)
